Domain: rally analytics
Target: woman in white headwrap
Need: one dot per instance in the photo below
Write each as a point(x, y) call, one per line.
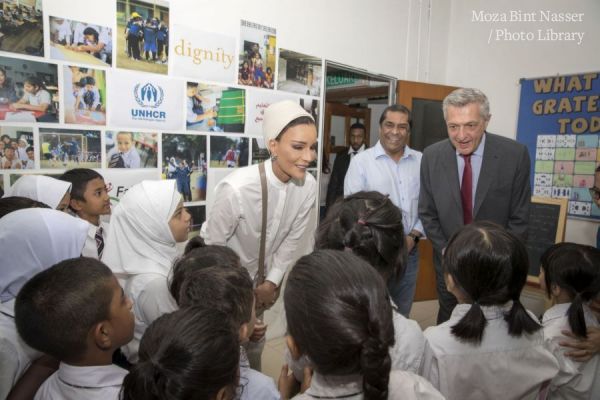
point(141, 247)
point(37, 238)
point(235, 218)
point(50, 191)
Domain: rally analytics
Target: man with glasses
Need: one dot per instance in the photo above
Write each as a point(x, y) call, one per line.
point(471, 176)
point(391, 167)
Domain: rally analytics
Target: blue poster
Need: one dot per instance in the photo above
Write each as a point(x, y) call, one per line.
point(559, 122)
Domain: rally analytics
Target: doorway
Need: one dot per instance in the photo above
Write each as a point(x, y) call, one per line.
point(351, 96)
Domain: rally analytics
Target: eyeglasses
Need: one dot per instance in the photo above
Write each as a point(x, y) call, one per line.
point(595, 192)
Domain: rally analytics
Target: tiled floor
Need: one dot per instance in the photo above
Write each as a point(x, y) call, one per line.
point(424, 312)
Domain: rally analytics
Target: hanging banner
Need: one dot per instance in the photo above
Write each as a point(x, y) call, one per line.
point(559, 122)
point(145, 101)
point(203, 55)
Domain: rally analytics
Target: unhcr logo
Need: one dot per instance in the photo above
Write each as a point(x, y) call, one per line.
point(148, 96)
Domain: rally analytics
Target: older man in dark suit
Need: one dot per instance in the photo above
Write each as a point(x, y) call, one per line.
point(471, 176)
point(335, 189)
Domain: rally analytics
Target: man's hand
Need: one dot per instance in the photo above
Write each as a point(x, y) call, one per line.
point(260, 328)
point(582, 349)
point(265, 294)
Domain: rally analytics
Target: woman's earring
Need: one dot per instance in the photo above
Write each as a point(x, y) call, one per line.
point(274, 157)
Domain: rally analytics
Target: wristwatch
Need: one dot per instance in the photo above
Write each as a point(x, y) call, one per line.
point(414, 237)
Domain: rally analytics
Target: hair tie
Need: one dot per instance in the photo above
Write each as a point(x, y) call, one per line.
point(346, 248)
point(362, 221)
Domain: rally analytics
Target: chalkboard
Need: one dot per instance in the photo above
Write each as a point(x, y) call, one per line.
point(547, 218)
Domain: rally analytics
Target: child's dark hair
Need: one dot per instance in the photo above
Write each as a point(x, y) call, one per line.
point(14, 203)
point(575, 268)
point(370, 225)
point(194, 243)
point(91, 31)
point(489, 265)
point(191, 353)
point(339, 315)
point(199, 258)
point(56, 308)
point(79, 178)
point(35, 81)
point(221, 287)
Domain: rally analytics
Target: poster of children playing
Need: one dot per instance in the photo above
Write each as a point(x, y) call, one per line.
point(16, 148)
point(22, 27)
point(28, 91)
point(257, 55)
point(228, 152)
point(69, 148)
point(184, 159)
point(80, 42)
point(143, 35)
point(211, 108)
point(131, 149)
point(85, 96)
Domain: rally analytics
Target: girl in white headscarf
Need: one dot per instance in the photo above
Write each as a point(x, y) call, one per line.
point(53, 192)
point(39, 238)
point(141, 247)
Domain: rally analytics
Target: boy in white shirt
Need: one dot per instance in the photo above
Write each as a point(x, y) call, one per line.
point(77, 312)
point(124, 154)
point(89, 201)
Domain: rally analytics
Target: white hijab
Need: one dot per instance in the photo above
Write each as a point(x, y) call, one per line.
point(41, 188)
point(139, 238)
point(37, 238)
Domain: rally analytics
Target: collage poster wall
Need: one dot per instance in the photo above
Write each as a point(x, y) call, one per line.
point(127, 97)
point(559, 122)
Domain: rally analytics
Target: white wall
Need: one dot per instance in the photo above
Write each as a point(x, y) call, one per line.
point(496, 67)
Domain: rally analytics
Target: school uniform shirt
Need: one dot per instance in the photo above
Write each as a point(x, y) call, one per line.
point(402, 385)
point(253, 384)
point(94, 94)
point(236, 217)
point(102, 382)
point(15, 354)
point(501, 367)
point(575, 380)
point(90, 248)
point(407, 352)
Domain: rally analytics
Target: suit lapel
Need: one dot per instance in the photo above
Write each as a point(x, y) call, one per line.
point(489, 164)
point(448, 158)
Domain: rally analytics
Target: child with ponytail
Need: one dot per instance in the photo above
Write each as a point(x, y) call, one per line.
point(570, 275)
point(491, 347)
point(339, 316)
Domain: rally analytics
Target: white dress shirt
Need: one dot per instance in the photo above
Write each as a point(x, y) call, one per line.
point(374, 170)
point(236, 217)
point(402, 385)
point(500, 367)
point(575, 380)
point(90, 248)
point(253, 384)
point(407, 352)
point(102, 382)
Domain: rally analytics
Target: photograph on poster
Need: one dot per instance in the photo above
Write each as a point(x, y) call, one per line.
point(80, 42)
point(69, 148)
point(22, 27)
point(85, 96)
point(143, 35)
point(16, 148)
point(258, 45)
point(211, 108)
point(12, 178)
point(131, 149)
point(28, 91)
point(228, 152)
point(260, 152)
point(198, 214)
point(299, 73)
point(184, 159)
